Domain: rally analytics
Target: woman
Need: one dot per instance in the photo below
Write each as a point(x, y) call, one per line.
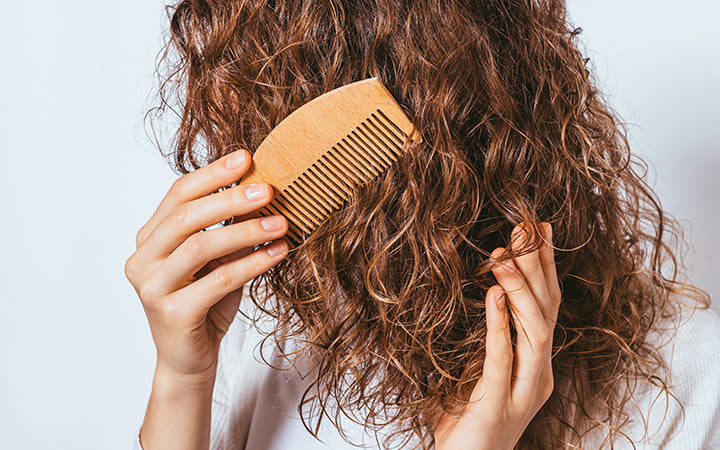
point(512, 281)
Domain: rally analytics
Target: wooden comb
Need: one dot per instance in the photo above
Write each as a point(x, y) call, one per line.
point(325, 149)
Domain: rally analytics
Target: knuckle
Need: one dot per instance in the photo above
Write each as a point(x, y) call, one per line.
point(547, 388)
point(496, 327)
point(148, 292)
point(179, 188)
point(131, 268)
point(195, 245)
point(515, 284)
point(535, 275)
point(505, 359)
point(169, 311)
point(522, 281)
point(224, 277)
point(180, 217)
point(140, 236)
point(557, 299)
point(234, 197)
point(244, 230)
point(543, 336)
point(513, 278)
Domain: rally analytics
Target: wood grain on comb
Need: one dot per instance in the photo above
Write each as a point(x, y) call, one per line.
point(327, 148)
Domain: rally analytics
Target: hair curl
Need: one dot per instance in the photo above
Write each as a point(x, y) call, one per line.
point(388, 293)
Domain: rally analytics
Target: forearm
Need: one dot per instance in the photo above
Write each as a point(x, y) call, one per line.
point(178, 413)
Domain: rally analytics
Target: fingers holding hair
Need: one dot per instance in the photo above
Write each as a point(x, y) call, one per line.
point(547, 261)
point(527, 281)
point(498, 364)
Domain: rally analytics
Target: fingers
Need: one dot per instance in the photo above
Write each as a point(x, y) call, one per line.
point(201, 248)
point(196, 184)
point(211, 288)
point(188, 218)
point(531, 268)
point(515, 383)
point(523, 305)
point(525, 280)
point(547, 261)
point(497, 368)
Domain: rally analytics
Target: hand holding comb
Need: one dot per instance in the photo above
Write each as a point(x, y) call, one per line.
point(325, 149)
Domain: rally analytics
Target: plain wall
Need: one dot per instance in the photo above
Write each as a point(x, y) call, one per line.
point(79, 177)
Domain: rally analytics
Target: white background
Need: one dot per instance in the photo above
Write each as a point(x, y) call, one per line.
point(79, 176)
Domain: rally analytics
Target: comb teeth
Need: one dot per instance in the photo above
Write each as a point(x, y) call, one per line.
point(324, 187)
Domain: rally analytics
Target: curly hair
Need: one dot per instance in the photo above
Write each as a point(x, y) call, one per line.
point(387, 295)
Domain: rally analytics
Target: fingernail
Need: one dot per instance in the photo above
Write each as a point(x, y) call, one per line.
point(277, 248)
point(233, 161)
point(497, 253)
point(272, 223)
point(256, 191)
point(519, 230)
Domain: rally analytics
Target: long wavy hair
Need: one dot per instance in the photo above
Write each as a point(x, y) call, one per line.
point(387, 297)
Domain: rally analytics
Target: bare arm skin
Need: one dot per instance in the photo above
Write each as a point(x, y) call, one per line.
point(190, 284)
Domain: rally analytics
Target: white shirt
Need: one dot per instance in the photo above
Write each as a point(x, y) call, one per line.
point(255, 406)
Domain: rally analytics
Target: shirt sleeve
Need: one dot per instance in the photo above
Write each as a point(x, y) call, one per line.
point(691, 420)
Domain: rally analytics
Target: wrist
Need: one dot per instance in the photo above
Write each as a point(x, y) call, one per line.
point(168, 379)
point(179, 410)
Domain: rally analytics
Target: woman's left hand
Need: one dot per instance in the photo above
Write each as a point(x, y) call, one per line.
point(513, 387)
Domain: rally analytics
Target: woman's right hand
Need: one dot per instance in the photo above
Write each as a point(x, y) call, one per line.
point(517, 378)
point(190, 281)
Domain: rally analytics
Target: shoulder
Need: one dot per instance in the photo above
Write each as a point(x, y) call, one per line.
point(695, 345)
point(689, 416)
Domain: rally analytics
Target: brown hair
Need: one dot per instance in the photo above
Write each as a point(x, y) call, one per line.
point(388, 293)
